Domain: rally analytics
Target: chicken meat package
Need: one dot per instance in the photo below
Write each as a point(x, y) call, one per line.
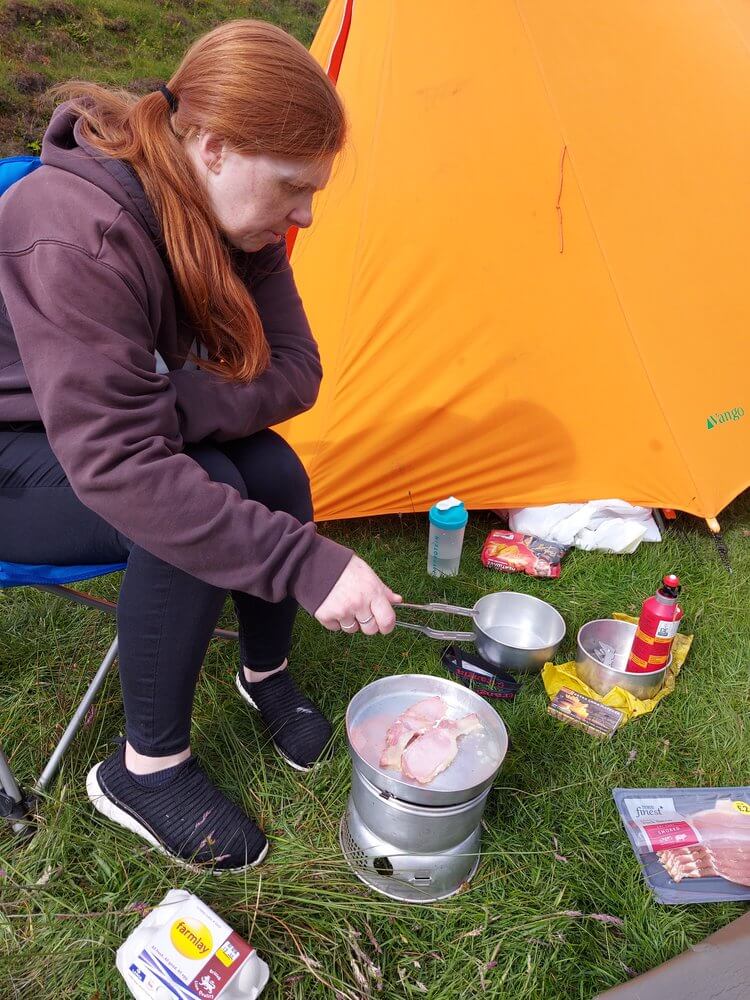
point(183, 949)
point(693, 844)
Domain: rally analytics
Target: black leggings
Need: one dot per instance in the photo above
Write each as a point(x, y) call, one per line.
point(165, 618)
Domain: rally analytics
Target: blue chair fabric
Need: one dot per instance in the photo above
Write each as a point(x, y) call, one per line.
point(13, 168)
point(23, 575)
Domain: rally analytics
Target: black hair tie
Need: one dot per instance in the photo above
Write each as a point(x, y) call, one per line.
point(168, 97)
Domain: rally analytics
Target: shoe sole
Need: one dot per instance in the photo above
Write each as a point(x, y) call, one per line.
point(107, 807)
point(277, 748)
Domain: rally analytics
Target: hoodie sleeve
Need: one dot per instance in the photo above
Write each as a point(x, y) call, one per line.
point(211, 407)
point(86, 343)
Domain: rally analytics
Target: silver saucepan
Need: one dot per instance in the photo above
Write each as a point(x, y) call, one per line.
point(511, 631)
point(601, 676)
point(377, 706)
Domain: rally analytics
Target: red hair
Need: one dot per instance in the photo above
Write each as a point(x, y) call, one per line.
point(261, 91)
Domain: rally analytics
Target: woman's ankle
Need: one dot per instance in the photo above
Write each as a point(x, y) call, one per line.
point(138, 763)
point(254, 676)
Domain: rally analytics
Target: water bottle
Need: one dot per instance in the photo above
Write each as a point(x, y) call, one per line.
point(447, 523)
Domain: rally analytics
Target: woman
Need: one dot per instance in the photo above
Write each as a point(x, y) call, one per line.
point(150, 336)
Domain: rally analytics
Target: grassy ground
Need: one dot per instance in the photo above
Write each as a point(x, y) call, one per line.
point(131, 43)
point(553, 842)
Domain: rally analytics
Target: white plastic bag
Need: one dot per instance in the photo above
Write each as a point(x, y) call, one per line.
point(602, 525)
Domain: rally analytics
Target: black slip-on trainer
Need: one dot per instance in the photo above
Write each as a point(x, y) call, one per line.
point(185, 817)
point(301, 734)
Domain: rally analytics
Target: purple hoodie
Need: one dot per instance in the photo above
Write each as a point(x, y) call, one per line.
point(86, 302)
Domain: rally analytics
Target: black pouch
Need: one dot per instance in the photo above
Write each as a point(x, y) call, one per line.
point(474, 672)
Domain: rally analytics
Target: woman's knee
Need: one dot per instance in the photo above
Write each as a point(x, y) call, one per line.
point(219, 467)
point(273, 473)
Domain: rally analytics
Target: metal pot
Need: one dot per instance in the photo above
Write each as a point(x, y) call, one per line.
point(373, 709)
point(601, 677)
point(511, 631)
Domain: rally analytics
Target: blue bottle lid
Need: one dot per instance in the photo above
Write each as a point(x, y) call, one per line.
point(449, 514)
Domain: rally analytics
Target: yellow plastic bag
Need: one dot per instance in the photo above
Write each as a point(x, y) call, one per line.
point(566, 675)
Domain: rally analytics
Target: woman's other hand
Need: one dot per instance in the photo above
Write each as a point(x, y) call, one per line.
point(359, 602)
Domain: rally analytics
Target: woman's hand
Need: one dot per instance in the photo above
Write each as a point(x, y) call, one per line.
point(359, 601)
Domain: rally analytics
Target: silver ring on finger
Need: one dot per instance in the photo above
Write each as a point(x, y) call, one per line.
point(351, 627)
point(364, 621)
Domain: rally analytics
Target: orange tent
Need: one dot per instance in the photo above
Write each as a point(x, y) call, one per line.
point(528, 276)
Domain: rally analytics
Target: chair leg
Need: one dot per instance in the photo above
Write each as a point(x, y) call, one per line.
point(80, 714)
point(101, 604)
point(13, 803)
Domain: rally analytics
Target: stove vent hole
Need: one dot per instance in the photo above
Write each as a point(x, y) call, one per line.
point(382, 866)
point(353, 850)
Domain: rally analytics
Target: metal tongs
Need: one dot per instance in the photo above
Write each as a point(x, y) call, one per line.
point(433, 633)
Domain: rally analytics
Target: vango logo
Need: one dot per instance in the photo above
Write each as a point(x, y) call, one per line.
point(191, 938)
point(723, 418)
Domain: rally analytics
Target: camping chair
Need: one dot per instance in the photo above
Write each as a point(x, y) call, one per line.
point(15, 805)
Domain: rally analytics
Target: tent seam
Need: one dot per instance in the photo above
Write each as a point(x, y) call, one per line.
point(618, 298)
point(348, 12)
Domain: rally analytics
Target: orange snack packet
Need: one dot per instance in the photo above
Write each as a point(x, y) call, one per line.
point(516, 553)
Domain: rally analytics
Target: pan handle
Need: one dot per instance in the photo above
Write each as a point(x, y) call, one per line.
point(434, 633)
point(451, 609)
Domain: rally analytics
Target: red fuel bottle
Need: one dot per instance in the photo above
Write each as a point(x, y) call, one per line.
point(657, 627)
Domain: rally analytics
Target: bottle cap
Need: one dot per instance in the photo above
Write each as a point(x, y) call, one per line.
point(449, 514)
point(671, 585)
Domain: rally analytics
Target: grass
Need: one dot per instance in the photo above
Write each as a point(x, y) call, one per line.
point(552, 843)
point(130, 43)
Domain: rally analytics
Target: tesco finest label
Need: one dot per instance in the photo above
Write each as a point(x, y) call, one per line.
point(660, 824)
point(651, 810)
